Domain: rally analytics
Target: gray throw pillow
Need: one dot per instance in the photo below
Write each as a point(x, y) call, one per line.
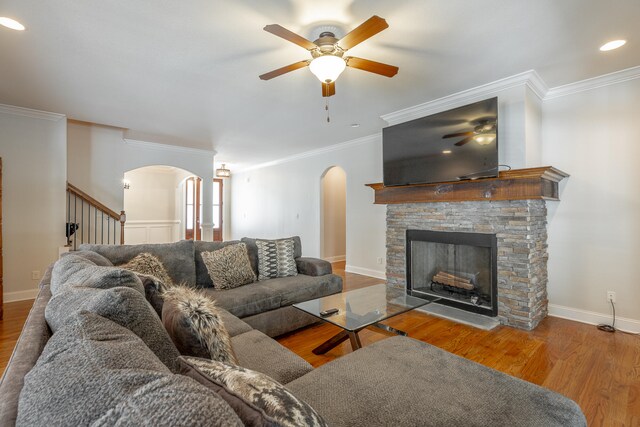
point(276, 258)
point(93, 370)
point(123, 306)
point(257, 399)
point(195, 325)
point(229, 267)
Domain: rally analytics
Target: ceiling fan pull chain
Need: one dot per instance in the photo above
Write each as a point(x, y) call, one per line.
point(326, 107)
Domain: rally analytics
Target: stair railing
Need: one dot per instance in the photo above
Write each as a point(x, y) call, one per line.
point(89, 221)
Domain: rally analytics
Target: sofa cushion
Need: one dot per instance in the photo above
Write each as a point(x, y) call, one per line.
point(203, 280)
point(177, 258)
point(123, 306)
point(303, 288)
point(360, 389)
point(250, 392)
point(275, 259)
point(246, 300)
point(273, 359)
point(234, 325)
point(252, 248)
point(73, 270)
point(93, 370)
point(148, 264)
point(229, 267)
point(194, 324)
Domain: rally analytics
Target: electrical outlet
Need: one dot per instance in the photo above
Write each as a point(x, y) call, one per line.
point(35, 275)
point(611, 296)
point(379, 260)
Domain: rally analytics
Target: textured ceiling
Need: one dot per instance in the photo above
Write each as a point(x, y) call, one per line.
point(188, 70)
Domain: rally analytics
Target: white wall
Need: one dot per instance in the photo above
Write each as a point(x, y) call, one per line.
point(334, 210)
point(594, 231)
point(34, 156)
point(98, 157)
point(284, 200)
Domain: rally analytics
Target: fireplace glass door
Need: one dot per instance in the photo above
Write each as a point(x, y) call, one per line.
point(460, 268)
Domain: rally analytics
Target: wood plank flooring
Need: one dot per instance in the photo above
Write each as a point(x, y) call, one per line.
point(599, 370)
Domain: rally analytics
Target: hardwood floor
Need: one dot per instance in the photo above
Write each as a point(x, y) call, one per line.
point(599, 370)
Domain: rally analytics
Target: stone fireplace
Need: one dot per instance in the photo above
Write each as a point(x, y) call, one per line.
point(511, 207)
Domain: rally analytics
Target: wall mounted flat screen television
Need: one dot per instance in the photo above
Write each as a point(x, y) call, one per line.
point(452, 145)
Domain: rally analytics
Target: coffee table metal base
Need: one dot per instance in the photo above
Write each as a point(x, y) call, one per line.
point(344, 335)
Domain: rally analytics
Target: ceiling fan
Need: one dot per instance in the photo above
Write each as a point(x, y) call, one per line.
point(327, 52)
point(483, 133)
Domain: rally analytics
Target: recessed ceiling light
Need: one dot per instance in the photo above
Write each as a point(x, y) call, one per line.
point(612, 45)
point(355, 125)
point(11, 23)
point(446, 152)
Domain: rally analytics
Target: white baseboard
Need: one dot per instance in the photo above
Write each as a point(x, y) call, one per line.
point(336, 258)
point(366, 272)
point(593, 318)
point(20, 295)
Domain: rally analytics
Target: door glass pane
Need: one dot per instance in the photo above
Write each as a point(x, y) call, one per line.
point(216, 218)
point(216, 193)
point(189, 217)
point(190, 191)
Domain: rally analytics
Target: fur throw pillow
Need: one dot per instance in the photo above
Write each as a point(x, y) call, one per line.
point(194, 324)
point(229, 267)
point(258, 399)
point(145, 263)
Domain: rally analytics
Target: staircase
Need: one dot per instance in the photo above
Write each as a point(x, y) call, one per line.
point(89, 221)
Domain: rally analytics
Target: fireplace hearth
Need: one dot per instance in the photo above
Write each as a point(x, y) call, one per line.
point(459, 268)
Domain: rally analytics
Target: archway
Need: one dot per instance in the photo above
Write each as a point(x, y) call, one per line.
point(333, 214)
point(157, 206)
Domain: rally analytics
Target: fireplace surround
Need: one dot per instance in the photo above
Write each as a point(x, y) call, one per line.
point(512, 207)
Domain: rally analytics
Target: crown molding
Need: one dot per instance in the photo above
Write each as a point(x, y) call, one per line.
point(146, 145)
point(594, 83)
point(335, 147)
point(28, 112)
point(529, 79)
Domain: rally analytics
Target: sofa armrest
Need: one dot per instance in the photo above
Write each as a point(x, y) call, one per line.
point(313, 266)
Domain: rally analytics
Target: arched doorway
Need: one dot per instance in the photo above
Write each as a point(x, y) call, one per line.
point(158, 207)
point(333, 214)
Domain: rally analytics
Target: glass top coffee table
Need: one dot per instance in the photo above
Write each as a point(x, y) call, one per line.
point(360, 308)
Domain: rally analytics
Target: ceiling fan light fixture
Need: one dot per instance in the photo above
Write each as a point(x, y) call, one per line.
point(327, 68)
point(485, 138)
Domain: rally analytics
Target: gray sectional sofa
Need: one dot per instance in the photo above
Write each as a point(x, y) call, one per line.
point(92, 369)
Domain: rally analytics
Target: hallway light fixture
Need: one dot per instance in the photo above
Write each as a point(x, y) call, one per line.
point(223, 172)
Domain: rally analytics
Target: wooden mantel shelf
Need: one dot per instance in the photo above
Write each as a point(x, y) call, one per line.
point(516, 184)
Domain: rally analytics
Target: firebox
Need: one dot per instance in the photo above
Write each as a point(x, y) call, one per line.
point(459, 268)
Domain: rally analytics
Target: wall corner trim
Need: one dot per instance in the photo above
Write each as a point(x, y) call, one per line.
point(28, 112)
point(529, 79)
point(594, 83)
point(147, 145)
point(311, 153)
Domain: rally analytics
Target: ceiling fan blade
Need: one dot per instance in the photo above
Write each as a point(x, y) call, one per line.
point(453, 135)
point(328, 89)
point(368, 28)
point(464, 141)
point(372, 66)
point(280, 31)
point(284, 70)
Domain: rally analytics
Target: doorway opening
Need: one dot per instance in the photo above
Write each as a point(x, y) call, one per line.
point(333, 214)
point(157, 204)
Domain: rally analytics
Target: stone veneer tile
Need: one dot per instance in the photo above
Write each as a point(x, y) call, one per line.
point(521, 230)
